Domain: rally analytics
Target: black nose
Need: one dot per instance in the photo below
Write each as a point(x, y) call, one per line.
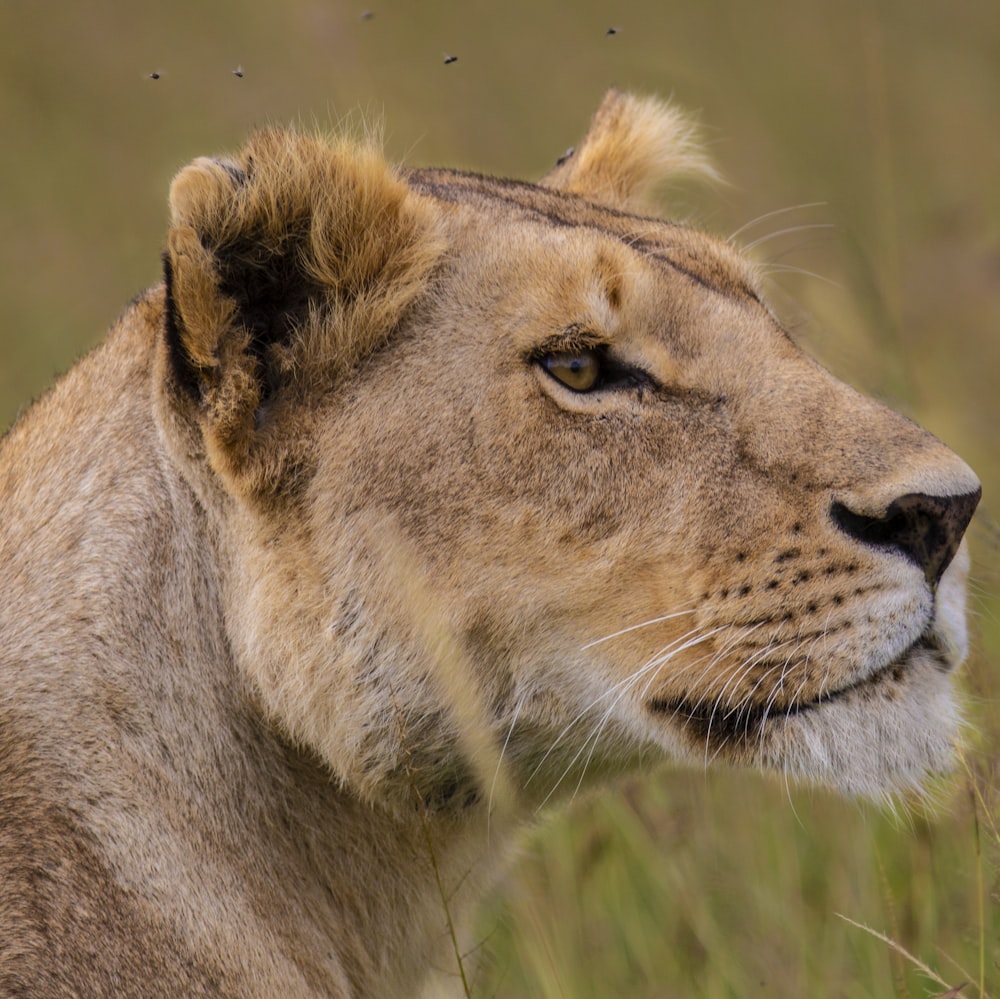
point(925, 529)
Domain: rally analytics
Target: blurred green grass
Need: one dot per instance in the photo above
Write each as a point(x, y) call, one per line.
point(871, 126)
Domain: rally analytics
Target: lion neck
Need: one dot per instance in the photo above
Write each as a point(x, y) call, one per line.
point(221, 812)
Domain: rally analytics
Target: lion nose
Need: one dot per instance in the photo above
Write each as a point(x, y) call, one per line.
point(925, 529)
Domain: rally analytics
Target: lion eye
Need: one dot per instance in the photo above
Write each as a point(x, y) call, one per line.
point(578, 370)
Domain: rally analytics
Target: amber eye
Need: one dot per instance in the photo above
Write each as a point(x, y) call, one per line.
point(578, 370)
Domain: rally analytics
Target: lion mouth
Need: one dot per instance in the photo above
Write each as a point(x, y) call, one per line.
point(710, 721)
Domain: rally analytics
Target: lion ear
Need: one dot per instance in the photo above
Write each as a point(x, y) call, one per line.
point(285, 267)
point(634, 144)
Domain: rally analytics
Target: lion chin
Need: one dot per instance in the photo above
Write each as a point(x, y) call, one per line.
point(412, 500)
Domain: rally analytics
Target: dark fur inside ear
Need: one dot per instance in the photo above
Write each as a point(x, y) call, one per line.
point(259, 276)
point(272, 299)
point(283, 270)
point(184, 373)
point(189, 375)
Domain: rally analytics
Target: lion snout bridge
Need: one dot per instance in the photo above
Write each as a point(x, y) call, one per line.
point(925, 529)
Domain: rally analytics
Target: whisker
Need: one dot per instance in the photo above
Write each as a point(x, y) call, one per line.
point(776, 268)
point(821, 637)
point(618, 690)
point(747, 665)
point(745, 704)
point(636, 627)
point(585, 710)
point(705, 671)
point(748, 702)
point(784, 232)
point(662, 660)
point(770, 215)
point(774, 693)
point(737, 675)
point(500, 756)
point(791, 700)
point(741, 634)
point(655, 666)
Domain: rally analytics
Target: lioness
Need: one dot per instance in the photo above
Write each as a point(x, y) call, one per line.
point(410, 500)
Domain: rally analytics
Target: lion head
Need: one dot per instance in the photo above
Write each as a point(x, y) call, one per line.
point(517, 465)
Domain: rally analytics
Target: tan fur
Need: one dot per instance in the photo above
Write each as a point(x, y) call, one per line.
point(635, 144)
point(315, 581)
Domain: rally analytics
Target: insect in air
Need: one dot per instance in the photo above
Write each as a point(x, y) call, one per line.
point(450, 59)
point(367, 15)
point(238, 72)
point(611, 31)
point(155, 75)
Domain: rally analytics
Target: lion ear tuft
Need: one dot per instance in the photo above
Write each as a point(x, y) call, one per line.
point(284, 268)
point(201, 190)
point(634, 145)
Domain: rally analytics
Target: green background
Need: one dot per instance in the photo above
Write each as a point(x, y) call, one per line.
point(871, 129)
